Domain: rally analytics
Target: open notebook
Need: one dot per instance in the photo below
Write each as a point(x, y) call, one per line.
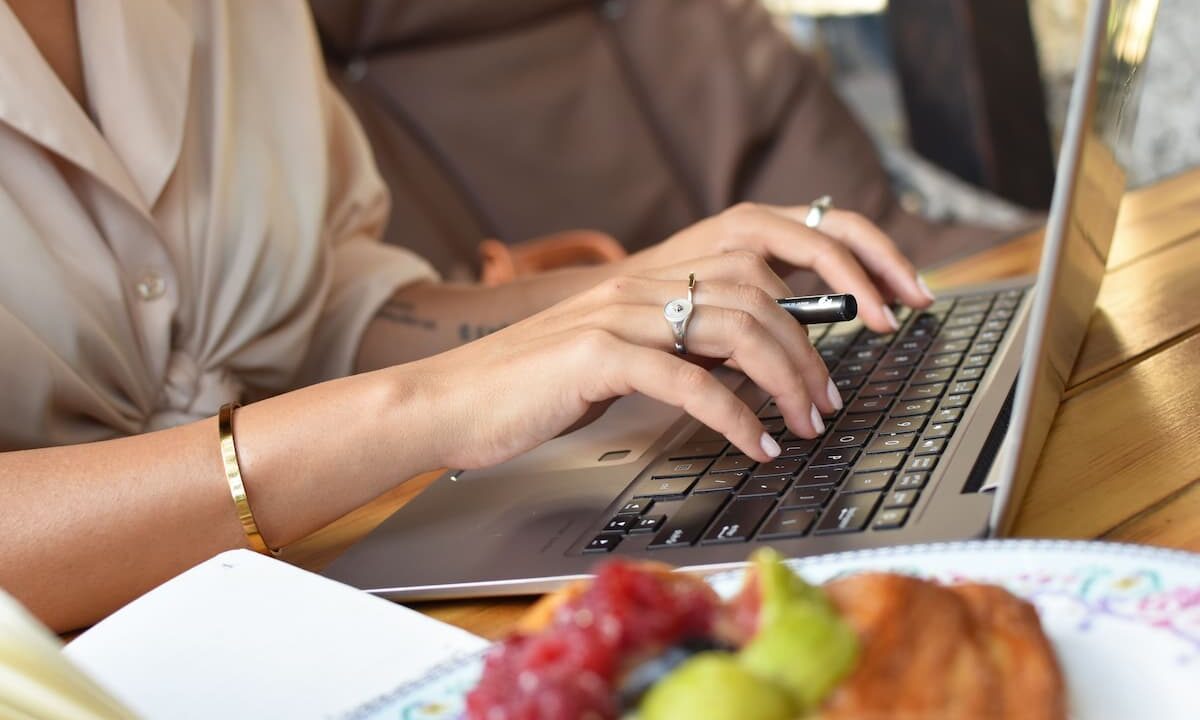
point(240, 635)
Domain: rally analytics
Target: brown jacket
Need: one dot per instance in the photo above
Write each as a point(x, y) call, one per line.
point(521, 118)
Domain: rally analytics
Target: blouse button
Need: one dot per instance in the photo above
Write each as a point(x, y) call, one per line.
point(150, 286)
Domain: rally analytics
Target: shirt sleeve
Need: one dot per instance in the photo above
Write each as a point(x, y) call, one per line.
point(363, 271)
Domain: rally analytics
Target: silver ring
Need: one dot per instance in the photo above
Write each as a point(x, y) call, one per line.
point(678, 313)
point(817, 210)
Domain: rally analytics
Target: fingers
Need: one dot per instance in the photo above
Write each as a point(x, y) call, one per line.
point(789, 345)
point(625, 368)
point(775, 235)
point(874, 249)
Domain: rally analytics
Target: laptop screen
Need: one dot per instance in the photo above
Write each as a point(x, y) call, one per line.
point(1088, 189)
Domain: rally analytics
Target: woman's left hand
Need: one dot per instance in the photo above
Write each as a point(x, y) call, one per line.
point(848, 251)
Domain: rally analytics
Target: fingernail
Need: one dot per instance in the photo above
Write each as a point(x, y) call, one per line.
point(769, 446)
point(818, 424)
point(891, 317)
point(925, 288)
point(835, 397)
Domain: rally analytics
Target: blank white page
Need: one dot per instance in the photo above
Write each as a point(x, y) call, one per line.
point(244, 635)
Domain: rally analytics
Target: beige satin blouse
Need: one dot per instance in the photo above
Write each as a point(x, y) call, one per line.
point(209, 233)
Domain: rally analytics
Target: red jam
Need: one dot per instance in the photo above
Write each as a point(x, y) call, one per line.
point(569, 670)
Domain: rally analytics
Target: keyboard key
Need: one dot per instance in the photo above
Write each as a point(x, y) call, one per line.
point(620, 524)
point(788, 522)
point(692, 450)
point(834, 456)
point(911, 481)
point(866, 482)
point(602, 544)
point(821, 476)
point(719, 482)
point(967, 386)
point(991, 336)
point(930, 447)
point(774, 468)
point(864, 355)
point(995, 326)
point(796, 447)
point(849, 368)
point(956, 401)
point(922, 392)
point(940, 375)
point(647, 524)
point(892, 443)
point(733, 463)
point(848, 513)
point(807, 496)
point(916, 344)
point(949, 346)
point(880, 390)
point(679, 468)
point(946, 360)
point(939, 430)
point(901, 499)
point(969, 374)
point(849, 382)
point(921, 463)
point(901, 425)
point(979, 360)
point(915, 407)
point(686, 524)
point(764, 486)
point(957, 320)
point(959, 333)
point(740, 520)
point(869, 405)
point(890, 519)
point(899, 358)
point(886, 461)
point(890, 374)
point(663, 487)
point(947, 415)
point(983, 347)
point(850, 439)
point(774, 427)
point(850, 423)
point(876, 340)
point(635, 507)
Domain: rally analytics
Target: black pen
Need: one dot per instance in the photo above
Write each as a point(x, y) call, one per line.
point(820, 309)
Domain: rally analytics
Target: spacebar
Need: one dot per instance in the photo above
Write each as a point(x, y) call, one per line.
point(685, 526)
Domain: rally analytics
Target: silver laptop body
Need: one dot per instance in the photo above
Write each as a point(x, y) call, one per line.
point(547, 517)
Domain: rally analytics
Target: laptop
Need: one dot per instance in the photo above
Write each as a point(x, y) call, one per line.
point(943, 422)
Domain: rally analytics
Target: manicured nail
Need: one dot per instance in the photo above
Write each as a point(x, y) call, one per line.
point(769, 446)
point(835, 397)
point(925, 288)
point(818, 424)
point(891, 317)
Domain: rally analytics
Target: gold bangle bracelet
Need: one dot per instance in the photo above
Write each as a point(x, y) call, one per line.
point(233, 474)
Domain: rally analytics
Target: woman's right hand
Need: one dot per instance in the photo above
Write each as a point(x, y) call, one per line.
point(517, 388)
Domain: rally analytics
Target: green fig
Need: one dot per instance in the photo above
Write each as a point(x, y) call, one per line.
point(715, 686)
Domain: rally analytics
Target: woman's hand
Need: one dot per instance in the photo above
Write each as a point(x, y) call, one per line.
point(847, 251)
point(517, 388)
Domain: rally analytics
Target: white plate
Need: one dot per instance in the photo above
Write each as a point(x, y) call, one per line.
point(1124, 620)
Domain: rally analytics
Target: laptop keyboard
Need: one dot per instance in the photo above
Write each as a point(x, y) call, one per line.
point(904, 394)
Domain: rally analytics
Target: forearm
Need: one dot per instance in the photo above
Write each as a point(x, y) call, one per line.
point(428, 318)
point(110, 520)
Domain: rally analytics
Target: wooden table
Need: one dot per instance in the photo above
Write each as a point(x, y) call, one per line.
point(1122, 461)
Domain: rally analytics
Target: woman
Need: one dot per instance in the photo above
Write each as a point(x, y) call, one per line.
point(190, 218)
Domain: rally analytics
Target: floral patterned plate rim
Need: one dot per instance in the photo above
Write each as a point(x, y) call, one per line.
point(1124, 620)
